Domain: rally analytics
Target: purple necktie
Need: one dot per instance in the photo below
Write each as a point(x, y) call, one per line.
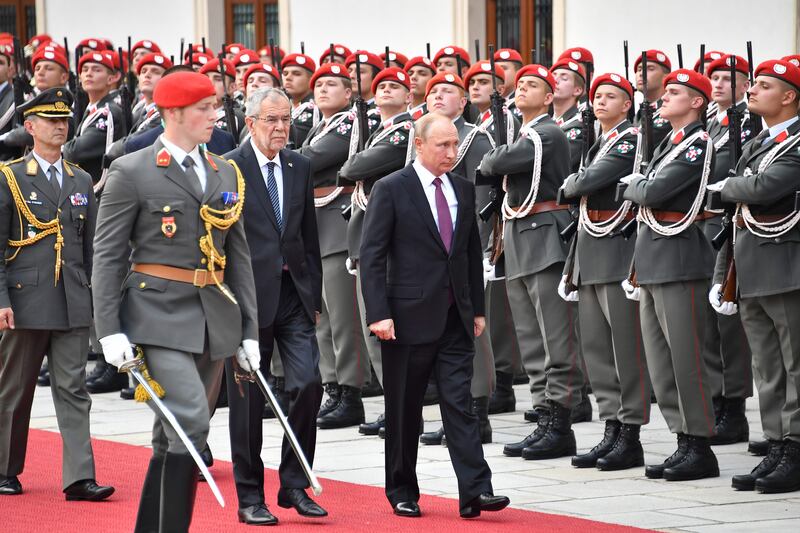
point(443, 212)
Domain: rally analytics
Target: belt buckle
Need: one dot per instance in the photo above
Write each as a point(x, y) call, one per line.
point(197, 273)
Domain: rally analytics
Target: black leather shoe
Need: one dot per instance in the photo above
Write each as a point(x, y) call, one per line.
point(759, 448)
point(583, 411)
point(407, 509)
point(699, 462)
point(484, 502)
point(88, 490)
point(127, 393)
point(257, 515)
point(589, 460)
point(298, 499)
point(109, 381)
point(382, 433)
point(334, 392)
point(732, 425)
point(503, 399)
point(44, 377)
point(515, 449)
point(98, 370)
point(786, 475)
point(206, 456)
point(532, 415)
point(372, 428)
point(657, 471)
point(432, 438)
point(558, 440)
point(10, 486)
point(626, 453)
point(762, 469)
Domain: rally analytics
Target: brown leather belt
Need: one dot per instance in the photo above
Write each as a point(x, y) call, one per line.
point(677, 216)
point(199, 277)
point(544, 207)
point(322, 192)
point(601, 215)
point(763, 219)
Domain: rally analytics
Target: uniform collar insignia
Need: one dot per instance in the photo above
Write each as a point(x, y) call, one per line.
point(31, 167)
point(163, 158)
point(210, 160)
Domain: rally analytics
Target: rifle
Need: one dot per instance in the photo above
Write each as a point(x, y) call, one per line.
point(182, 44)
point(363, 123)
point(125, 97)
point(131, 80)
point(755, 120)
point(190, 50)
point(386, 61)
point(428, 50)
point(227, 101)
point(702, 66)
point(631, 111)
point(477, 49)
point(81, 98)
point(19, 81)
point(680, 55)
point(276, 61)
point(302, 47)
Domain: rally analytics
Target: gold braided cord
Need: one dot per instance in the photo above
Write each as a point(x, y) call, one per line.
point(221, 219)
point(52, 227)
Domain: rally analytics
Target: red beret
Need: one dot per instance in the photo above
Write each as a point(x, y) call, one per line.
point(49, 54)
point(419, 61)
point(794, 59)
point(781, 69)
point(96, 57)
point(508, 54)
point(197, 48)
point(540, 72)
point(654, 56)
point(397, 57)
point(245, 57)
point(336, 70)
point(261, 67)
point(443, 78)
point(366, 58)
point(691, 79)
point(94, 44)
point(577, 54)
point(611, 79)
point(572, 66)
point(708, 58)
point(147, 45)
point(213, 66)
point(111, 54)
point(7, 49)
point(53, 46)
point(153, 59)
point(181, 89)
point(484, 67)
point(724, 63)
point(452, 51)
point(40, 39)
point(299, 60)
point(198, 59)
point(394, 74)
point(338, 49)
point(234, 48)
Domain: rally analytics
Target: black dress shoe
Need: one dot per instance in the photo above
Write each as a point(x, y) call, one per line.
point(372, 428)
point(432, 438)
point(786, 475)
point(699, 462)
point(589, 459)
point(10, 486)
point(407, 509)
point(257, 515)
point(759, 448)
point(657, 471)
point(44, 377)
point(765, 467)
point(88, 490)
point(109, 381)
point(382, 433)
point(127, 393)
point(206, 456)
point(484, 502)
point(298, 499)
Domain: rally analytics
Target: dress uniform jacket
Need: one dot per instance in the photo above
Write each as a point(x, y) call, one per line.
point(571, 123)
point(89, 144)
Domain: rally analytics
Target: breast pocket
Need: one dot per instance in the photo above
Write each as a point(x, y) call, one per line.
point(535, 225)
point(168, 215)
point(78, 216)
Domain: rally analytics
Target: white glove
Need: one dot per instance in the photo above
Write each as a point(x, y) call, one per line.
point(351, 268)
point(117, 349)
point(631, 292)
point(716, 187)
point(571, 296)
point(489, 272)
point(715, 299)
point(248, 355)
point(628, 179)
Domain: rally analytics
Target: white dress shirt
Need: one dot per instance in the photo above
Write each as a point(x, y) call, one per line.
point(777, 129)
point(426, 178)
point(45, 166)
point(262, 163)
point(180, 154)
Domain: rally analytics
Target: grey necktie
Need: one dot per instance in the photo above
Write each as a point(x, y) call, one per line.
point(194, 179)
point(53, 173)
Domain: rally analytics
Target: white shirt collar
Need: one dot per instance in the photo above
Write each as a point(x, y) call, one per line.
point(263, 159)
point(775, 130)
point(180, 154)
point(425, 175)
point(612, 130)
point(45, 165)
point(534, 121)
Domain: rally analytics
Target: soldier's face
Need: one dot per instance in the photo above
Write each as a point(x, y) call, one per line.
point(437, 151)
point(510, 69)
point(447, 100)
point(655, 76)
point(240, 70)
point(50, 132)
point(419, 77)
point(195, 122)
point(270, 129)
point(48, 74)
point(532, 94)
point(330, 94)
point(392, 95)
point(678, 101)
point(219, 87)
point(5, 71)
point(149, 75)
point(296, 80)
point(769, 96)
point(367, 75)
point(139, 54)
point(96, 77)
point(610, 104)
point(448, 65)
point(258, 80)
point(721, 86)
point(568, 85)
point(480, 89)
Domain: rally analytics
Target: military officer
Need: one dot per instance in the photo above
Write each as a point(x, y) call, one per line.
point(47, 216)
point(184, 291)
point(297, 70)
point(658, 66)
point(420, 70)
point(510, 61)
point(673, 263)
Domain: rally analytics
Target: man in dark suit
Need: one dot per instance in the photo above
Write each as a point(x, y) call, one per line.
point(426, 310)
point(281, 229)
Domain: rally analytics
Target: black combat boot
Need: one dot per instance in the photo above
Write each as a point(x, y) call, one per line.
point(98, 370)
point(786, 475)
point(150, 500)
point(531, 415)
point(558, 440)
point(178, 489)
point(588, 460)
point(334, 392)
point(732, 424)
point(480, 406)
point(503, 399)
point(627, 451)
point(699, 462)
point(765, 467)
point(110, 381)
point(349, 412)
point(583, 411)
point(657, 471)
point(515, 449)
point(759, 448)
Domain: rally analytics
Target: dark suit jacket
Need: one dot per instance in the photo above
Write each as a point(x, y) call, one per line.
point(406, 272)
point(298, 245)
point(220, 142)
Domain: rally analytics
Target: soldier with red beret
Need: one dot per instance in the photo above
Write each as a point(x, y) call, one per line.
point(420, 70)
point(224, 86)
point(658, 66)
point(570, 88)
point(510, 61)
point(297, 70)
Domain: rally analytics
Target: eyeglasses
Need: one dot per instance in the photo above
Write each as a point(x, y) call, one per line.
point(271, 120)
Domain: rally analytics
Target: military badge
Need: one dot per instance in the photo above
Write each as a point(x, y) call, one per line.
point(344, 128)
point(745, 135)
point(210, 160)
point(78, 199)
point(573, 133)
point(32, 231)
point(396, 138)
point(624, 147)
point(371, 122)
point(168, 226)
point(304, 117)
point(34, 196)
point(101, 124)
point(230, 198)
point(659, 122)
point(693, 153)
point(163, 158)
point(31, 167)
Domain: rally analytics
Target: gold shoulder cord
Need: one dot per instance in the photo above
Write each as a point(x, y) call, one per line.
point(220, 219)
point(52, 227)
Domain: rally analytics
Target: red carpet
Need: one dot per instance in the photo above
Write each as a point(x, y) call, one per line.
point(353, 508)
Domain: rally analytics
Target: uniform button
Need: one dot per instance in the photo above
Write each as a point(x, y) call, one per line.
point(81, 216)
point(203, 261)
point(59, 210)
point(777, 239)
point(166, 209)
point(19, 285)
point(142, 285)
point(533, 224)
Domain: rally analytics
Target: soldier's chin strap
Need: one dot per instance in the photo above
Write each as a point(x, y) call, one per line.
point(221, 219)
point(53, 227)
